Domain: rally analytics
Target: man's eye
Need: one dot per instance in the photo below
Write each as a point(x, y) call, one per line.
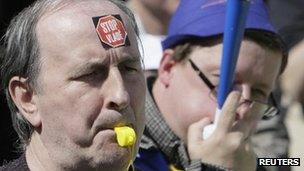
point(129, 69)
point(94, 73)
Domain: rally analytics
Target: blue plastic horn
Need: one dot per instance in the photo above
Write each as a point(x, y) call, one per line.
point(235, 21)
point(236, 15)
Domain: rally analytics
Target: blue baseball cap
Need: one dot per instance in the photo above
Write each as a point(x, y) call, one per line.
point(205, 18)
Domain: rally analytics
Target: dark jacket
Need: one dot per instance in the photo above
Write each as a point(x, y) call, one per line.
point(16, 165)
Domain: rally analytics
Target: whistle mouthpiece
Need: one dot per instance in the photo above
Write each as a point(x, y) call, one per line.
point(125, 136)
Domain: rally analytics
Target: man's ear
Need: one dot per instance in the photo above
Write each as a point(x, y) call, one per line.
point(24, 98)
point(165, 68)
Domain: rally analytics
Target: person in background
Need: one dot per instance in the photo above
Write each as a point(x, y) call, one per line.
point(72, 73)
point(271, 138)
point(181, 100)
point(152, 17)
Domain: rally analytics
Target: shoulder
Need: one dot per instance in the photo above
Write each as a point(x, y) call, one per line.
point(16, 165)
point(150, 160)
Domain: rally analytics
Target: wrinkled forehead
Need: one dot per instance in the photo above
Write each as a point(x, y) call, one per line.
point(73, 23)
point(74, 16)
point(82, 7)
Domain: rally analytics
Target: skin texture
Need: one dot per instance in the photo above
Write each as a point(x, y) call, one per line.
point(85, 92)
point(190, 107)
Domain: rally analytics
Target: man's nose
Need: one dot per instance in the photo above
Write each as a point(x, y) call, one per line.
point(117, 95)
point(245, 103)
point(243, 108)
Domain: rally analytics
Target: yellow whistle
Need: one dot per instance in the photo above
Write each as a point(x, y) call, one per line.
point(125, 136)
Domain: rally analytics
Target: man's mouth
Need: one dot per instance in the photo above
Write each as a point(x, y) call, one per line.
point(112, 126)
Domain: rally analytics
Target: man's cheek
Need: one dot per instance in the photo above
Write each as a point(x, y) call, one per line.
point(137, 103)
point(77, 132)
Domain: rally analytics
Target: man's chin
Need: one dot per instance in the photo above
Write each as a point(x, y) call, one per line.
point(111, 154)
point(104, 153)
point(113, 158)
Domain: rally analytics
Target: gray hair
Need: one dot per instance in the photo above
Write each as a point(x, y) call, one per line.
point(22, 57)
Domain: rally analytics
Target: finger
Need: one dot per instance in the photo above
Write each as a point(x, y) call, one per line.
point(246, 128)
point(254, 113)
point(195, 130)
point(242, 128)
point(228, 114)
point(248, 123)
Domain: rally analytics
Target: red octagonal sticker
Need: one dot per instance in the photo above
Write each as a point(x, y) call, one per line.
point(111, 30)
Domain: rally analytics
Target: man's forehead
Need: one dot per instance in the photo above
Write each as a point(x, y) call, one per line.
point(207, 57)
point(251, 55)
point(85, 6)
point(74, 19)
point(70, 33)
point(78, 13)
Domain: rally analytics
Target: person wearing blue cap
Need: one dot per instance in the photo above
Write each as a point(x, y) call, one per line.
point(181, 100)
point(73, 79)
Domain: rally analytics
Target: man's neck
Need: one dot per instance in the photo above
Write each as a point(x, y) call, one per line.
point(155, 24)
point(37, 156)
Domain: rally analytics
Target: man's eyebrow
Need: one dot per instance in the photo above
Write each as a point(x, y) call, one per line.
point(87, 67)
point(95, 64)
point(131, 59)
point(263, 86)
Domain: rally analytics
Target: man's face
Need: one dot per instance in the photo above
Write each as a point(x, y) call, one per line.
point(256, 72)
point(87, 90)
